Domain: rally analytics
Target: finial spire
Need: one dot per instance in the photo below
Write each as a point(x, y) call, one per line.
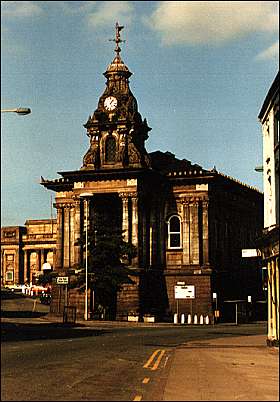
point(118, 38)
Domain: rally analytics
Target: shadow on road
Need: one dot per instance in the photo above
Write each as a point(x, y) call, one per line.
point(14, 332)
point(22, 314)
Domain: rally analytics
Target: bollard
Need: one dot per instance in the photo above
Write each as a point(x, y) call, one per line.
point(207, 320)
point(189, 319)
point(201, 319)
point(183, 318)
point(195, 319)
point(175, 318)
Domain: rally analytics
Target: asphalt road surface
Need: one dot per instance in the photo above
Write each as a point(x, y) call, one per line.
point(50, 361)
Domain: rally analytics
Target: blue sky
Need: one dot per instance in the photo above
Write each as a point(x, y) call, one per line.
point(201, 71)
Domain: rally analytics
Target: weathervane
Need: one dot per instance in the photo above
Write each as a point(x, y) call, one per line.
point(118, 38)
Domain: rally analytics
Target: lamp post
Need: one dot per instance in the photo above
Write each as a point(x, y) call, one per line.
point(86, 196)
point(20, 111)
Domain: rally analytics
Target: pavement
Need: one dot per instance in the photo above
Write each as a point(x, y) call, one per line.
point(240, 368)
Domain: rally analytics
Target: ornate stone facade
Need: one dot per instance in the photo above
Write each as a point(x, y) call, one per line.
point(24, 250)
point(188, 224)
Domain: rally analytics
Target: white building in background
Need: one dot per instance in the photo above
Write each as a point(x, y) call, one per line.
point(269, 118)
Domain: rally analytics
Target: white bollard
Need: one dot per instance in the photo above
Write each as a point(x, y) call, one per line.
point(175, 318)
point(195, 319)
point(189, 319)
point(207, 320)
point(201, 319)
point(183, 318)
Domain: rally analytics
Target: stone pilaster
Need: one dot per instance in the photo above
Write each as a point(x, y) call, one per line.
point(194, 233)
point(205, 232)
point(125, 216)
point(186, 232)
point(134, 234)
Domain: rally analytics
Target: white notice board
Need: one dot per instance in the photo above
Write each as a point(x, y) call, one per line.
point(184, 292)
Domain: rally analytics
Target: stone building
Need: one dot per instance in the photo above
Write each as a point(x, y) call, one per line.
point(269, 243)
point(25, 250)
point(188, 224)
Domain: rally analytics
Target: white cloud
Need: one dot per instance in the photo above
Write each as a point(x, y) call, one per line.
point(21, 9)
point(108, 12)
point(204, 22)
point(270, 53)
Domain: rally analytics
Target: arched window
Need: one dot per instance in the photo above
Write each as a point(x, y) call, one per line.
point(174, 232)
point(110, 149)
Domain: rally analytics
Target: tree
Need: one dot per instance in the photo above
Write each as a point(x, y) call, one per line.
point(109, 256)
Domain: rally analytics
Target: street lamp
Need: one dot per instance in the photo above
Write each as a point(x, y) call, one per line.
point(86, 196)
point(20, 110)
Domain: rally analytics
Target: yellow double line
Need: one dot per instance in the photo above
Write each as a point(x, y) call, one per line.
point(152, 364)
point(155, 359)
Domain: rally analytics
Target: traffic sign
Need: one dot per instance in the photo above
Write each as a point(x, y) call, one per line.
point(62, 280)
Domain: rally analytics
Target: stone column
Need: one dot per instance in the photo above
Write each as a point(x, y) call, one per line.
point(205, 232)
point(38, 260)
point(72, 236)
point(77, 233)
point(125, 216)
point(59, 237)
point(66, 237)
point(186, 232)
point(194, 233)
point(25, 258)
point(42, 258)
point(134, 234)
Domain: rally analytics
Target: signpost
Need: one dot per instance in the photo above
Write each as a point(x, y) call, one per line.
point(62, 280)
point(183, 291)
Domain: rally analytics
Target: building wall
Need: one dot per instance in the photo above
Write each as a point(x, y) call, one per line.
point(24, 250)
point(269, 243)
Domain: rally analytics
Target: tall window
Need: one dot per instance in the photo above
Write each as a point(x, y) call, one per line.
point(174, 232)
point(110, 149)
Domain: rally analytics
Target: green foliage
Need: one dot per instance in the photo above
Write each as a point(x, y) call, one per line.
point(45, 279)
point(108, 258)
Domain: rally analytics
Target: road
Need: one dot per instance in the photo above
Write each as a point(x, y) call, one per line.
point(102, 362)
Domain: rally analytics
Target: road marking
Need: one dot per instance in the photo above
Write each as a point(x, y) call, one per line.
point(153, 356)
point(165, 363)
point(158, 360)
point(138, 398)
point(146, 380)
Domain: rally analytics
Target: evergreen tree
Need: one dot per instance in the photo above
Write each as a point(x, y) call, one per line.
point(109, 256)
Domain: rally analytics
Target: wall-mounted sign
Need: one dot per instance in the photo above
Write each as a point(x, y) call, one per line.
point(184, 292)
point(250, 252)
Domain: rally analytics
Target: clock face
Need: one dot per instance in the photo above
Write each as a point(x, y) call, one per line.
point(110, 103)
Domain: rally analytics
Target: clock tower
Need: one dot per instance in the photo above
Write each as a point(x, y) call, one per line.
point(116, 130)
